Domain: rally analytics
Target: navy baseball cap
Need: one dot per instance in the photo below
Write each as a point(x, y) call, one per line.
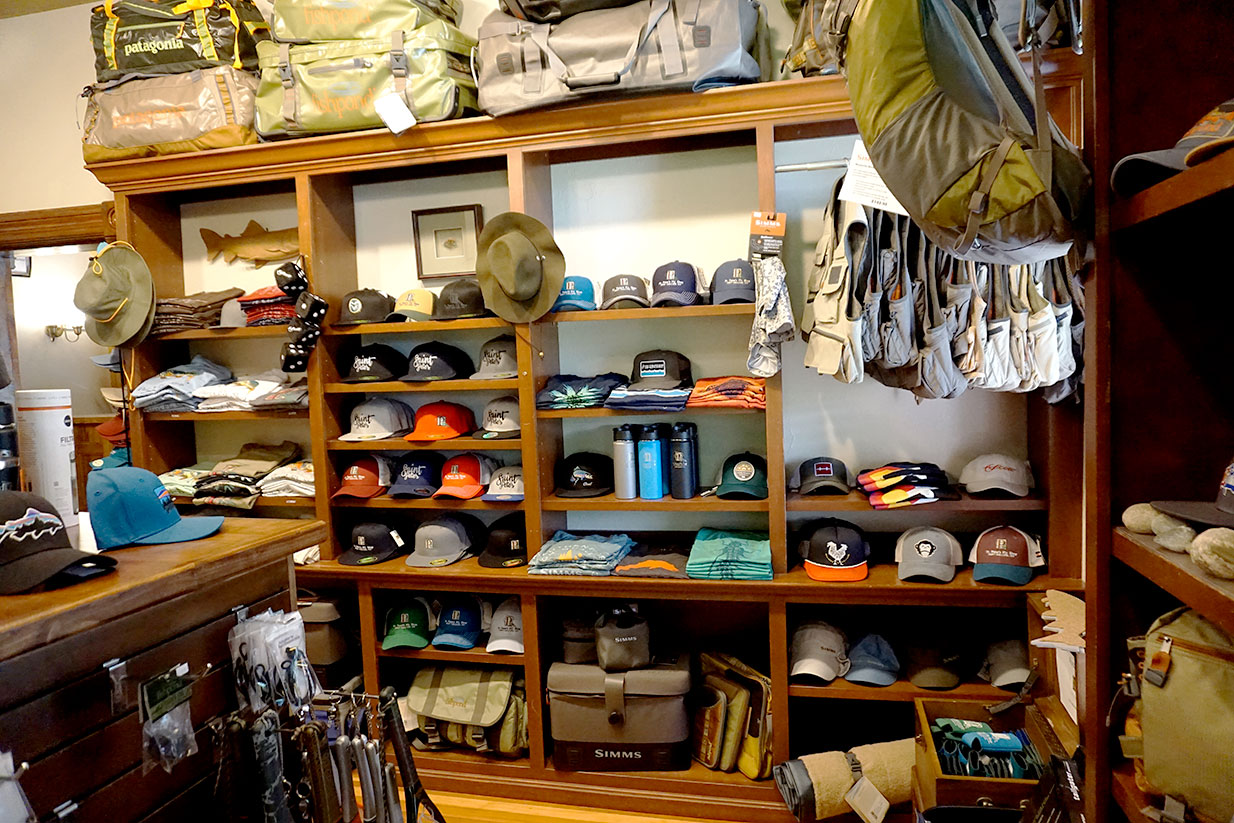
point(417, 475)
point(675, 283)
point(873, 662)
point(577, 294)
point(438, 361)
point(376, 363)
point(835, 551)
point(733, 282)
point(372, 543)
point(129, 506)
point(459, 624)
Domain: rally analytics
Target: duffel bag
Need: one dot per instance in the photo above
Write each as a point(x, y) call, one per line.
point(308, 21)
point(330, 87)
point(482, 709)
point(203, 109)
point(649, 45)
point(148, 37)
point(551, 11)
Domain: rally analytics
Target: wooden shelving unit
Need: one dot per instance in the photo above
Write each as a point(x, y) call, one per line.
point(208, 417)
point(442, 386)
point(467, 656)
point(1128, 796)
point(398, 444)
point(660, 313)
point(858, 502)
point(1178, 575)
point(242, 333)
point(263, 502)
point(429, 503)
point(899, 692)
point(610, 503)
point(1188, 188)
point(420, 327)
point(585, 414)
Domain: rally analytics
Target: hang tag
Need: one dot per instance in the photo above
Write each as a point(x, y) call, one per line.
point(863, 184)
point(1159, 668)
point(867, 801)
point(766, 234)
point(394, 113)
point(162, 693)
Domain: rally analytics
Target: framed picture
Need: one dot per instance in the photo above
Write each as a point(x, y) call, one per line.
point(446, 240)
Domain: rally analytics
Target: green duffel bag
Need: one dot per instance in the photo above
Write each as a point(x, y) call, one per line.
point(148, 37)
point(331, 87)
point(481, 709)
point(312, 21)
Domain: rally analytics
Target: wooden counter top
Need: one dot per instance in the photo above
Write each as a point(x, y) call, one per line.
point(146, 575)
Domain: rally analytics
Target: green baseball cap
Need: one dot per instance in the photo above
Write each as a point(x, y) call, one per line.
point(744, 478)
point(407, 625)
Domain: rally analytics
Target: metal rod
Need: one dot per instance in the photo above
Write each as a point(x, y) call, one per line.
point(821, 165)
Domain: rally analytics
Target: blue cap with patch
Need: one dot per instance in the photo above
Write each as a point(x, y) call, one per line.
point(459, 624)
point(874, 662)
point(130, 506)
point(417, 475)
point(577, 294)
point(675, 282)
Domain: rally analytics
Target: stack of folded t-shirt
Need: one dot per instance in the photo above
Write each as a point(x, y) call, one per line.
point(239, 394)
point(268, 306)
point(175, 390)
point(183, 482)
point(235, 481)
point(718, 554)
point(284, 398)
point(660, 381)
point(593, 556)
point(653, 561)
point(664, 400)
point(569, 391)
point(897, 485)
point(289, 480)
point(736, 392)
point(193, 311)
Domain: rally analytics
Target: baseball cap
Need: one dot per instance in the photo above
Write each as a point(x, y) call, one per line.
point(498, 359)
point(625, 291)
point(928, 551)
point(372, 543)
point(367, 477)
point(375, 363)
point(931, 667)
point(501, 420)
point(413, 304)
point(1220, 513)
point(109, 361)
point(113, 395)
point(997, 472)
point(505, 635)
point(823, 475)
point(872, 662)
point(231, 316)
point(36, 548)
point(660, 369)
point(113, 430)
point(506, 485)
point(733, 282)
point(365, 306)
point(459, 625)
point(1207, 138)
point(835, 550)
point(119, 456)
point(1006, 664)
point(130, 506)
point(577, 294)
point(408, 625)
point(378, 419)
point(744, 477)
point(460, 298)
point(584, 474)
point(417, 475)
point(819, 650)
point(441, 421)
point(675, 283)
point(440, 542)
point(464, 476)
point(1005, 554)
point(437, 361)
point(507, 543)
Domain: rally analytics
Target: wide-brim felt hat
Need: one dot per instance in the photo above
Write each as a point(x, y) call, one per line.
point(116, 294)
point(519, 267)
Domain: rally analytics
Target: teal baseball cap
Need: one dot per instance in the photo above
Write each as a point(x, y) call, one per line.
point(129, 506)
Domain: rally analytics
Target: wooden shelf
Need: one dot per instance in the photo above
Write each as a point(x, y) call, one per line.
point(900, 691)
point(489, 765)
point(398, 444)
point(442, 386)
point(205, 417)
point(729, 784)
point(384, 502)
point(420, 327)
point(264, 502)
point(572, 414)
point(1178, 575)
point(659, 313)
point(1209, 178)
point(857, 502)
point(453, 656)
point(1128, 795)
point(241, 333)
point(608, 502)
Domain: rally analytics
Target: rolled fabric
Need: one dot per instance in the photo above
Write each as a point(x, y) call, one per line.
point(1139, 518)
point(889, 766)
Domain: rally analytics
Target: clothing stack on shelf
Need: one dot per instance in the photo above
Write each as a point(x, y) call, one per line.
point(235, 482)
point(183, 482)
point(283, 398)
point(569, 391)
point(659, 381)
point(897, 485)
point(195, 311)
point(174, 390)
point(268, 306)
point(289, 480)
point(736, 392)
point(239, 394)
point(591, 556)
point(719, 554)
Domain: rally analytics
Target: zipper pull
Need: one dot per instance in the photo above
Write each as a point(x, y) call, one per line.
point(1159, 669)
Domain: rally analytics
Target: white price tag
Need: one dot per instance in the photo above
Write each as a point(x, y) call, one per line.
point(862, 183)
point(394, 113)
point(867, 801)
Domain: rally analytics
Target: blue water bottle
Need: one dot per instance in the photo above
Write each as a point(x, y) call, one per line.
point(651, 465)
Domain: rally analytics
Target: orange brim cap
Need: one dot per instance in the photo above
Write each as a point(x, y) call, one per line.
point(461, 492)
point(837, 574)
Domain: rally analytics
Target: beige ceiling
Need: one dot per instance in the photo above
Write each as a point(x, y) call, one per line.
point(16, 8)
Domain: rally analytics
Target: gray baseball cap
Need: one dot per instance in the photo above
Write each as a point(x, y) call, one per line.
point(823, 475)
point(501, 420)
point(498, 359)
point(928, 551)
point(625, 291)
point(440, 542)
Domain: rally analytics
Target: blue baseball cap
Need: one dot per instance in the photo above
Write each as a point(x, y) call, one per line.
point(874, 663)
point(733, 282)
point(113, 460)
point(577, 294)
point(417, 475)
point(675, 282)
point(130, 506)
point(458, 625)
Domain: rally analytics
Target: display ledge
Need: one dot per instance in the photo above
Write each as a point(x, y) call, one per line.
point(384, 502)
point(240, 333)
point(1209, 178)
point(398, 444)
point(900, 691)
point(571, 414)
point(453, 656)
point(857, 502)
point(1128, 795)
point(419, 327)
point(263, 502)
point(608, 502)
point(1178, 575)
point(203, 417)
point(659, 313)
point(443, 386)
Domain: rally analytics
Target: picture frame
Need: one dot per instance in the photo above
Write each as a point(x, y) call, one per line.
point(446, 240)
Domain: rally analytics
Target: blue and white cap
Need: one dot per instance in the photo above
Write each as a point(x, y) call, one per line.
point(577, 294)
point(873, 662)
point(675, 282)
point(733, 282)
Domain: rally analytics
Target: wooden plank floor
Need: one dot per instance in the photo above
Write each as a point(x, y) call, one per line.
point(466, 808)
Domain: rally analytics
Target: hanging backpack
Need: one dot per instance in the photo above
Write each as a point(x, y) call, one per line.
point(954, 127)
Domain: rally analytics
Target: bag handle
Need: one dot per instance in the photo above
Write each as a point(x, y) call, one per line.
point(658, 11)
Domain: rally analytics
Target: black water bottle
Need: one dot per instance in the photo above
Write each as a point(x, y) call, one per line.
point(683, 461)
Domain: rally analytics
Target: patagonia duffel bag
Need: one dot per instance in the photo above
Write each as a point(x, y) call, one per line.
point(203, 109)
point(148, 37)
point(647, 46)
point(310, 21)
point(330, 87)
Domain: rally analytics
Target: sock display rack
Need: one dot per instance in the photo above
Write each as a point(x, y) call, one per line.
point(754, 619)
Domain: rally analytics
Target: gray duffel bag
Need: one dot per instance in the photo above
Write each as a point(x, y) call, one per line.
point(651, 45)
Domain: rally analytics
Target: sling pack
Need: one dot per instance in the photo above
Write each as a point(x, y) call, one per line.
point(334, 86)
point(306, 21)
point(956, 130)
point(482, 709)
point(650, 45)
point(203, 109)
point(148, 37)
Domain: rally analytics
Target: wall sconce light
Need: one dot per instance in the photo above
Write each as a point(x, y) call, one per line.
point(54, 332)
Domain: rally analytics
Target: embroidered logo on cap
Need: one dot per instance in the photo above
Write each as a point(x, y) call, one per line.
point(925, 548)
point(353, 305)
point(32, 525)
point(823, 470)
point(363, 363)
point(652, 368)
point(423, 362)
point(837, 552)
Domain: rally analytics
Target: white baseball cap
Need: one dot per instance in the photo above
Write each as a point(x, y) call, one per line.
point(1001, 472)
point(1006, 664)
point(928, 551)
point(819, 650)
point(506, 632)
point(378, 419)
